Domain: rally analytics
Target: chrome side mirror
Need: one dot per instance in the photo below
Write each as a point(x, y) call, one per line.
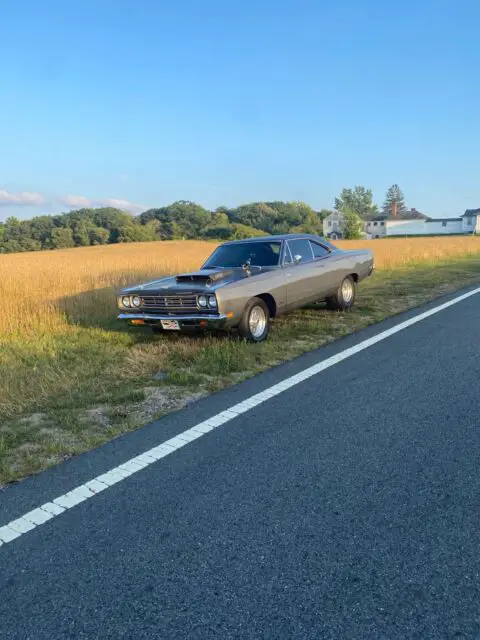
point(296, 259)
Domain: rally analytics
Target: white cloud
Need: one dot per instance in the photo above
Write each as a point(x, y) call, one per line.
point(81, 201)
point(76, 201)
point(125, 204)
point(34, 199)
point(21, 198)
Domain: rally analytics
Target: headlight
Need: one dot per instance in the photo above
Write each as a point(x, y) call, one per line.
point(202, 301)
point(136, 301)
point(126, 301)
point(212, 301)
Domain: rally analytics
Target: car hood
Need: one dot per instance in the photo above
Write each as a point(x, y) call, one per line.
point(204, 279)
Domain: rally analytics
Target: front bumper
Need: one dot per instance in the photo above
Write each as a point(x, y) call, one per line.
point(186, 322)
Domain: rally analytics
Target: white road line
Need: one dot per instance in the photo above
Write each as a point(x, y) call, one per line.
point(59, 505)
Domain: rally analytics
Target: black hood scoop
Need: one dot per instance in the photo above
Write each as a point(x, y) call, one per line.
point(208, 277)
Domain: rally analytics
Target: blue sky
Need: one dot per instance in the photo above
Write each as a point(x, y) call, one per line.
point(143, 103)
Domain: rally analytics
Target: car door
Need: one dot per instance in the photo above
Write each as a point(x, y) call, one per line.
point(298, 262)
point(326, 269)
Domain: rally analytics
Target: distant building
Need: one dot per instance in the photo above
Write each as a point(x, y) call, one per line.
point(409, 223)
point(333, 225)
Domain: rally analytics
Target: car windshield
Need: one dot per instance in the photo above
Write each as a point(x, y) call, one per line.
point(259, 254)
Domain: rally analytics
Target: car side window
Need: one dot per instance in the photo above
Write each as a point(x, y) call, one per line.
point(287, 256)
point(318, 250)
point(301, 247)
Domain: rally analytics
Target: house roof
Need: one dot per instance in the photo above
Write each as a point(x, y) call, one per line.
point(425, 219)
point(409, 214)
point(413, 214)
point(471, 212)
point(403, 218)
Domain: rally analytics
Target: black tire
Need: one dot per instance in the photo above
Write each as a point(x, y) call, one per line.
point(245, 328)
point(342, 301)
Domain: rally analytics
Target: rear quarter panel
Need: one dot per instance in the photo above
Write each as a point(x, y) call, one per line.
point(344, 263)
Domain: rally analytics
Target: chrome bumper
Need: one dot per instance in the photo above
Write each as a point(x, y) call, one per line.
point(200, 320)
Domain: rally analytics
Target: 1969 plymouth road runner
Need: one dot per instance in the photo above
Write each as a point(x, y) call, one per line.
point(245, 283)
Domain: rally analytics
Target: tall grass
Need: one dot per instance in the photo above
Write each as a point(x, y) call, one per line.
point(46, 292)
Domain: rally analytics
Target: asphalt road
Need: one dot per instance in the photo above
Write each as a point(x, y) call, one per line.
point(346, 507)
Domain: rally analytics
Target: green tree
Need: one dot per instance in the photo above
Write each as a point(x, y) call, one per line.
point(219, 218)
point(10, 246)
point(394, 202)
point(98, 235)
point(80, 233)
point(135, 233)
point(242, 231)
point(170, 230)
point(61, 238)
point(323, 213)
point(352, 225)
point(29, 244)
point(219, 233)
point(357, 200)
point(190, 219)
point(277, 217)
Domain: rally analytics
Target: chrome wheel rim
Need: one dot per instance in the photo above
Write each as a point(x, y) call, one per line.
point(257, 322)
point(347, 290)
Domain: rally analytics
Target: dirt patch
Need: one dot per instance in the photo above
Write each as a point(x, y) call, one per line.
point(164, 399)
point(99, 416)
point(157, 401)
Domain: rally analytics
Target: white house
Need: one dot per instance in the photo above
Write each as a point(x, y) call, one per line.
point(469, 223)
point(440, 226)
point(412, 223)
point(333, 225)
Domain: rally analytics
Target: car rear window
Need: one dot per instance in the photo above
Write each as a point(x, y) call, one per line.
point(318, 250)
point(301, 248)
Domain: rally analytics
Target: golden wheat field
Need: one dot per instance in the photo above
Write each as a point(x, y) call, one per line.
point(44, 291)
point(72, 377)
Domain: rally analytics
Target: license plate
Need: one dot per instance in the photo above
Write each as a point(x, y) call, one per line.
point(170, 325)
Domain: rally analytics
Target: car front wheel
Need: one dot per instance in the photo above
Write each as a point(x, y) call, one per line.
point(344, 296)
point(255, 323)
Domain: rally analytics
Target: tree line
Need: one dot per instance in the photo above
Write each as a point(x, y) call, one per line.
point(180, 220)
point(185, 220)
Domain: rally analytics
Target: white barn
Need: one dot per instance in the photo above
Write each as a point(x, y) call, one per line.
point(467, 224)
point(411, 224)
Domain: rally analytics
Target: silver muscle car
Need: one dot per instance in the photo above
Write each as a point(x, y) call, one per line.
point(245, 283)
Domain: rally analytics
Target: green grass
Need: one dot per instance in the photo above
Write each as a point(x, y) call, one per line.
point(64, 393)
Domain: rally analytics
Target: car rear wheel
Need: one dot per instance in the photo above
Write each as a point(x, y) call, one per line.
point(344, 296)
point(255, 323)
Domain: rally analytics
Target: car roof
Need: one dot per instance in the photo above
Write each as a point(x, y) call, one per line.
point(281, 238)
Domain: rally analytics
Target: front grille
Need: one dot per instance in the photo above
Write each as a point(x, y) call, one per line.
point(170, 304)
